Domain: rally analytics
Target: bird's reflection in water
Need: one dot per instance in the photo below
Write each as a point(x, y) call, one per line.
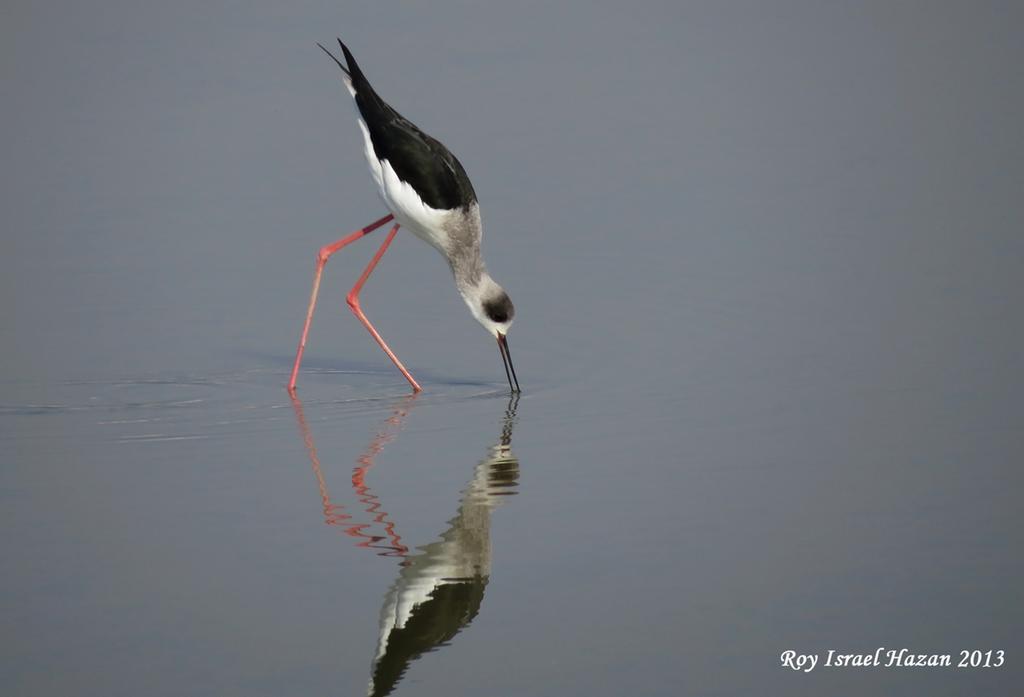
point(440, 586)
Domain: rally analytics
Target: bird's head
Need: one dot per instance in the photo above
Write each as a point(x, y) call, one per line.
point(494, 310)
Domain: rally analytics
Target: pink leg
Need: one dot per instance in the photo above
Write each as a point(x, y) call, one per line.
point(321, 260)
point(353, 302)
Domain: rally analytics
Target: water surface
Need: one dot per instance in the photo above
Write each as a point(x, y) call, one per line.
point(766, 264)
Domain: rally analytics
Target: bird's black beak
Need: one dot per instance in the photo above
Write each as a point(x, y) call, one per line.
point(506, 357)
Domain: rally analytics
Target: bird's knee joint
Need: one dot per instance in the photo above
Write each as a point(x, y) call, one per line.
point(323, 254)
point(353, 301)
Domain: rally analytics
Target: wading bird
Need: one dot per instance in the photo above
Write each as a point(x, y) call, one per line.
point(427, 191)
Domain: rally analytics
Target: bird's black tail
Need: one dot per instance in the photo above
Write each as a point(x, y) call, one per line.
point(343, 68)
point(371, 106)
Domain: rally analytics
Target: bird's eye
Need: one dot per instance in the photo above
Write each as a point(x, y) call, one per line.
point(499, 309)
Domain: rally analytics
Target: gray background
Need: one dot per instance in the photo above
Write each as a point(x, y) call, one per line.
point(766, 259)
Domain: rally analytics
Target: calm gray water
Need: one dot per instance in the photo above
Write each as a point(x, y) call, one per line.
point(767, 262)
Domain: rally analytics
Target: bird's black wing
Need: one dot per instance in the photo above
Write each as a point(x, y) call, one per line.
point(417, 158)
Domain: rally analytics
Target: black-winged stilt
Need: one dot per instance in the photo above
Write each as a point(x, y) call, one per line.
point(427, 190)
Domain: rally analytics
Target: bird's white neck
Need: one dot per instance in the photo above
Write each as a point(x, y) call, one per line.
point(475, 294)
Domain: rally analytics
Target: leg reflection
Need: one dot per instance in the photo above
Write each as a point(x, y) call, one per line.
point(389, 543)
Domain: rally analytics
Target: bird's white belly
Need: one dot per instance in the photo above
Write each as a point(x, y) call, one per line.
point(402, 200)
point(425, 222)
